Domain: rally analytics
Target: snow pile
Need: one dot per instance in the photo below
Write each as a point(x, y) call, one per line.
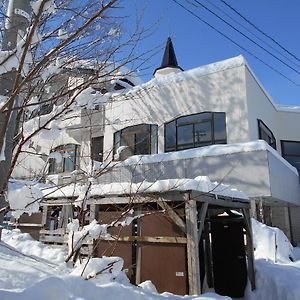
point(271, 243)
point(277, 277)
point(104, 270)
point(24, 197)
point(77, 235)
point(24, 243)
point(200, 183)
point(31, 278)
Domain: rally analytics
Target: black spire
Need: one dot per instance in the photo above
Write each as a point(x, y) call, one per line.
point(169, 59)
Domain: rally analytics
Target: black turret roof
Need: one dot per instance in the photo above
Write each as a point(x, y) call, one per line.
point(169, 59)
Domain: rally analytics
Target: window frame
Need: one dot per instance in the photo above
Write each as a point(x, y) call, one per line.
point(56, 168)
point(267, 130)
point(152, 145)
point(284, 154)
point(93, 154)
point(196, 144)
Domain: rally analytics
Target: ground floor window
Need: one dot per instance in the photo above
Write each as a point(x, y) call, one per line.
point(291, 152)
point(139, 139)
point(64, 158)
point(195, 130)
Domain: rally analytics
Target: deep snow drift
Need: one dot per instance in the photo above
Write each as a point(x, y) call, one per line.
point(27, 277)
point(30, 270)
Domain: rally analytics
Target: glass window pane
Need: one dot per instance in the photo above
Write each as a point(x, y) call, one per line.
point(197, 118)
point(185, 135)
point(219, 126)
point(202, 133)
point(291, 148)
point(266, 134)
point(170, 136)
point(97, 148)
point(142, 143)
point(293, 160)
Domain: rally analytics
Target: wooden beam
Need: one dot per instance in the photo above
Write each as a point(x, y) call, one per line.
point(220, 200)
point(172, 214)
point(249, 247)
point(192, 246)
point(201, 219)
point(147, 239)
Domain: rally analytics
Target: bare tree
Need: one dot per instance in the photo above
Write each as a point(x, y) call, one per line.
point(67, 55)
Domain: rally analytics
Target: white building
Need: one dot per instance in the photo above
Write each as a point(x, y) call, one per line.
point(221, 103)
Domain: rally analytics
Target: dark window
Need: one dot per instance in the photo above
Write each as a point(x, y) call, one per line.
point(195, 130)
point(291, 152)
point(140, 139)
point(64, 159)
point(264, 133)
point(97, 148)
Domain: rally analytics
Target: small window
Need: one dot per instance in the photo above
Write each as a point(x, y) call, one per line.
point(140, 139)
point(64, 158)
point(291, 152)
point(97, 148)
point(195, 130)
point(264, 133)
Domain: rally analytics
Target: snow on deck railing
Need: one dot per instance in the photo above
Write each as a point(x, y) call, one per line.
point(207, 151)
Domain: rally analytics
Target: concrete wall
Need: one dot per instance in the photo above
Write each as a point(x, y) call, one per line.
point(158, 103)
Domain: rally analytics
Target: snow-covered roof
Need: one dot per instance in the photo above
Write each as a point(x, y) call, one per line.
point(185, 75)
point(200, 184)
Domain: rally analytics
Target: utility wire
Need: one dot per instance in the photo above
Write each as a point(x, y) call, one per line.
point(231, 40)
point(252, 33)
point(262, 32)
point(247, 37)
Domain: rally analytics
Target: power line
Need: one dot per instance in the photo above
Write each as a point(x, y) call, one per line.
point(262, 32)
point(247, 37)
point(255, 35)
point(231, 40)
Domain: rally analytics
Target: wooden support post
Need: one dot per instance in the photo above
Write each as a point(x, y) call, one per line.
point(138, 274)
point(44, 216)
point(201, 218)
point(192, 246)
point(249, 247)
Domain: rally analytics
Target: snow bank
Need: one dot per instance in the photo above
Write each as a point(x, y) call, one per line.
point(271, 243)
point(24, 197)
point(24, 277)
point(24, 243)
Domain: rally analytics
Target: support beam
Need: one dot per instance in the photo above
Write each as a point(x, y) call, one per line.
point(201, 218)
point(192, 246)
point(249, 247)
point(172, 214)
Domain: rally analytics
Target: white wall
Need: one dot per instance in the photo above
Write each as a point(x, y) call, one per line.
point(186, 93)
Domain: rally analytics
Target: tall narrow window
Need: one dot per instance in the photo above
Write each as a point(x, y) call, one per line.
point(139, 139)
point(291, 152)
point(264, 133)
point(195, 130)
point(64, 158)
point(97, 148)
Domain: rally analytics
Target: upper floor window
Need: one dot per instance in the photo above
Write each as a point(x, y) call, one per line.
point(291, 152)
point(139, 139)
point(64, 158)
point(195, 130)
point(97, 148)
point(264, 133)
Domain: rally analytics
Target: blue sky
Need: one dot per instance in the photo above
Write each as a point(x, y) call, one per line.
point(196, 44)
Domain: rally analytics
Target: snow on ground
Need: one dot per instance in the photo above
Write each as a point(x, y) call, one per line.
point(28, 277)
point(277, 265)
